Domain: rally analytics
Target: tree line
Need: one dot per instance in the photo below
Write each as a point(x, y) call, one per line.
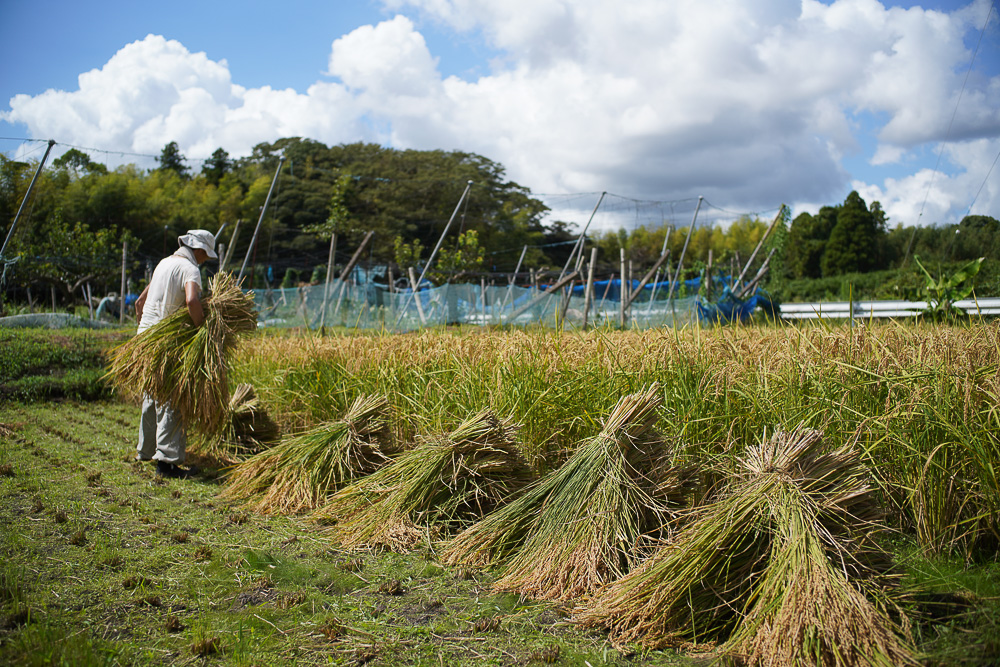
point(80, 214)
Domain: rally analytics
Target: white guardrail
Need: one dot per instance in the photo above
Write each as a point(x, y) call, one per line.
point(877, 309)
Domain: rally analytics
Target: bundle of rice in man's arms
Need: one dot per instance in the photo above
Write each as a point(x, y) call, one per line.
point(178, 363)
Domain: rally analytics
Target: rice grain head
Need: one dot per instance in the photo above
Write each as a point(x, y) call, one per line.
point(178, 363)
point(783, 568)
point(586, 523)
point(443, 483)
point(299, 473)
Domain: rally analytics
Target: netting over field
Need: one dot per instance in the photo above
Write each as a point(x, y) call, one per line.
point(374, 307)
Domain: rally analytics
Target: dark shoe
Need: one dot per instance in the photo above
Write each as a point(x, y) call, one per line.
point(174, 471)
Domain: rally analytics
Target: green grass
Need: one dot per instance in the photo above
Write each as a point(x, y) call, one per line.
point(102, 564)
point(920, 404)
point(41, 364)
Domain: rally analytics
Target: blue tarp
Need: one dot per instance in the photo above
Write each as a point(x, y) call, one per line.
point(728, 308)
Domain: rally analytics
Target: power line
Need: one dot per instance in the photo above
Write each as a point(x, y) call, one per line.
point(954, 113)
point(990, 171)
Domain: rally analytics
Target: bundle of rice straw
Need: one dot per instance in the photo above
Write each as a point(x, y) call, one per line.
point(299, 473)
point(782, 568)
point(178, 363)
point(440, 484)
point(246, 430)
point(588, 522)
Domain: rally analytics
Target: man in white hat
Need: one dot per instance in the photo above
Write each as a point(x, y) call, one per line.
point(176, 283)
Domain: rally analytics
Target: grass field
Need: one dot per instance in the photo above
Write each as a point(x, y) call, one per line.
point(102, 563)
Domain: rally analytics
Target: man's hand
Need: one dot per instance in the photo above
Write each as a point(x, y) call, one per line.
point(140, 303)
point(192, 294)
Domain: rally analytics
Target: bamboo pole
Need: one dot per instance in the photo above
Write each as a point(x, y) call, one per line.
point(649, 275)
point(231, 246)
point(420, 306)
point(760, 244)
point(760, 275)
point(27, 195)
point(482, 295)
point(430, 260)
point(329, 274)
point(256, 231)
point(623, 292)
point(589, 293)
point(687, 240)
point(708, 277)
point(577, 247)
point(90, 303)
point(513, 279)
point(656, 282)
point(552, 289)
point(604, 296)
point(350, 267)
point(121, 295)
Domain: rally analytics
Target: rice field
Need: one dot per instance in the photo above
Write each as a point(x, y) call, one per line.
point(913, 410)
point(921, 405)
point(749, 489)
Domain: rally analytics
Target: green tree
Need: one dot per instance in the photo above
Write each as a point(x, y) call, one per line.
point(807, 240)
point(407, 255)
point(78, 163)
point(216, 166)
point(67, 256)
point(465, 257)
point(171, 159)
point(856, 241)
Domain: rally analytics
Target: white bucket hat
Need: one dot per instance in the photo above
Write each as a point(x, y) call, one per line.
point(199, 238)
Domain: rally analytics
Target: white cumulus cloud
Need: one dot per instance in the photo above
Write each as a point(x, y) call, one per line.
point(748, 103)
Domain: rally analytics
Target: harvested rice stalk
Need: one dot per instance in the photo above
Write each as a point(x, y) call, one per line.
point(440, 484)
point(783, 566)
point(299, 473)
point(588, 522)
point(178, 363)
point(246, 430)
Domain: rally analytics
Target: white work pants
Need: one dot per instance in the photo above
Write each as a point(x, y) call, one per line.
point(161, 433)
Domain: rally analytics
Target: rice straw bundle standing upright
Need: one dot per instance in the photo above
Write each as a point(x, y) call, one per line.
point(441, 484)
point(178, 363)
point(586, 523)
point(246, 430)
point(302, 471)
point(782, 568)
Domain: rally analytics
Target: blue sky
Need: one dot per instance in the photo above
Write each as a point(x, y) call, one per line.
point(750, 104)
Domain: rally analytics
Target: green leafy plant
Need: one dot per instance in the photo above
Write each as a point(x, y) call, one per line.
point(942, 293)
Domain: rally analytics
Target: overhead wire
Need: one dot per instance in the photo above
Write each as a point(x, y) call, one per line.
point(954, 114)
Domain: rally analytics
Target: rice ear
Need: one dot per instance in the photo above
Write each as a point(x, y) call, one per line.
point(588, 522)
point(299, 473)
point(441, 484)
point(771, 568)
point(178, 363)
